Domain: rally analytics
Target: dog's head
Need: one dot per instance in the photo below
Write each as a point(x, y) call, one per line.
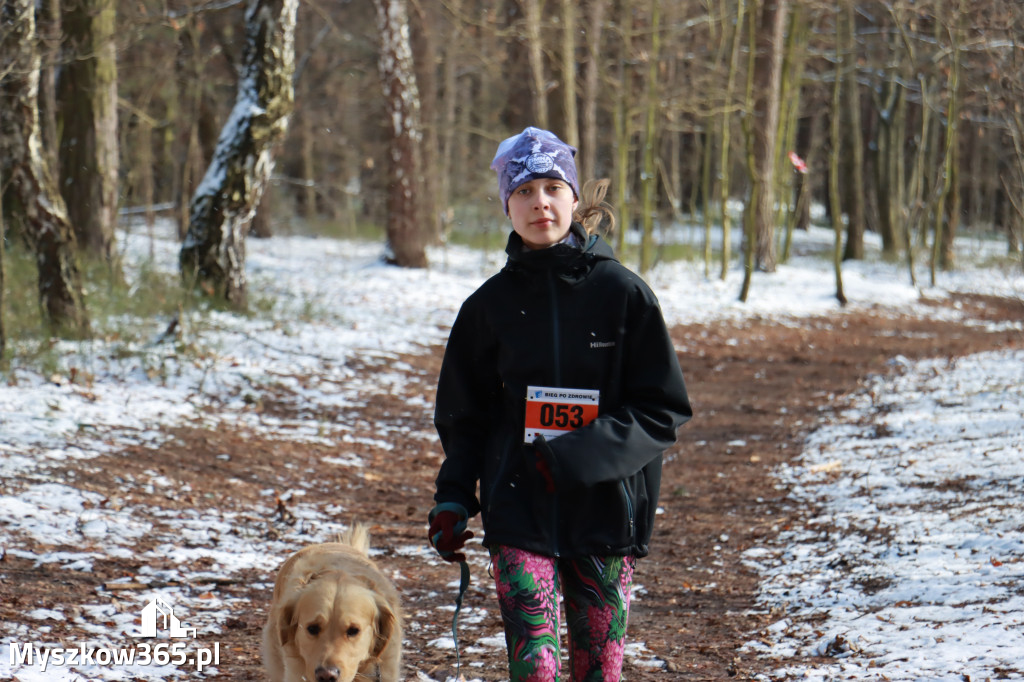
point(337, 626)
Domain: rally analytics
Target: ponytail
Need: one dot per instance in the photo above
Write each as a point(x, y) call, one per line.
point(595, 214)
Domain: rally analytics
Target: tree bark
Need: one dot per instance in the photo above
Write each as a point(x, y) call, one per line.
point(406, 224)
point(88, 140)
point(888, 156)
point(794, 64)
point(3, 272)
point(424, 49)
point(192, 149)
point(569, 28)
point(535, 49)
point(621, 121)
point(592, 88)
point(448, 118)
point(31, 193)
point(946, 222)
point(767, 105)
point(49, 30)
point(749, 224)
point(649, 179)
point(833, 155)
point(725, 145)
point(213, 254)
point(853, 143)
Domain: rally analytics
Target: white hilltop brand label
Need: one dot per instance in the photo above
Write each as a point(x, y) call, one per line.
point(156, 617)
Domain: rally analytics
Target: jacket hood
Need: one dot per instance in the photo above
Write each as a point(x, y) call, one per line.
point(571, 262)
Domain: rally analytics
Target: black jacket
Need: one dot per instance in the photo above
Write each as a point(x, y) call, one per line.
point(560, 317)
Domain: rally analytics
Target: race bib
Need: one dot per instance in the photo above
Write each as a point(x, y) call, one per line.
point(551, 412)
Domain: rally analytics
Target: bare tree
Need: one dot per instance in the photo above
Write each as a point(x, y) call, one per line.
point(946, 223)
point(649, 179)
point(424, 36)
point(591, 88)
point(569, 29)
point(622, 123)
point(88, 107)
point(407, 228)
point(534, 11)
point(48, 29)
point(853, 138)
point(844, 33)
point(725, 146)
point(31, 193)
point(3, 274)
point(492, 66)
point(213, 254)
point(765, 125)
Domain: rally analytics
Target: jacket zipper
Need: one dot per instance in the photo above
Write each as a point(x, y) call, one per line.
point(557, 367)
point(629, 508)
point(556, 330)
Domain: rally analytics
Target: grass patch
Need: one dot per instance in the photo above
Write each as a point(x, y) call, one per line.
point(329, 228)
point(125, 311)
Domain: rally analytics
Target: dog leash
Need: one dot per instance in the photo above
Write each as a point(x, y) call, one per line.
point(463, 585)
point(458, 529)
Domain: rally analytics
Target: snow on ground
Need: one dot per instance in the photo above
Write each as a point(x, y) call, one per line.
point(919, 482)
point(917, 556)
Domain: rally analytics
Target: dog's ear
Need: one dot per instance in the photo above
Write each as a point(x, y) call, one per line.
point(286, 623)
point(384, 627)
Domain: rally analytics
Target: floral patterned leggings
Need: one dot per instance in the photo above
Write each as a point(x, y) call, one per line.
point(596, 595)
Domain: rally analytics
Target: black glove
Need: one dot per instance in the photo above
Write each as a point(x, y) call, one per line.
point(448, 533)
point(543, 458)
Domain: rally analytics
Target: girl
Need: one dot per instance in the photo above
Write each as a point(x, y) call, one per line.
point(559, 391)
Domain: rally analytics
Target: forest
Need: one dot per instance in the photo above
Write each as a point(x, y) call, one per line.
point(240, 119)
point(235, 234)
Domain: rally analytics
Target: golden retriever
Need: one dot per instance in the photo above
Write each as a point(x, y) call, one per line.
point(334, 617)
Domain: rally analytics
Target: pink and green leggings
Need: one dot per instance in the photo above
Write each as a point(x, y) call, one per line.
point(596, 595)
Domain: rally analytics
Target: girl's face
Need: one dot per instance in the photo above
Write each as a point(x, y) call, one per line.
point(541, 211)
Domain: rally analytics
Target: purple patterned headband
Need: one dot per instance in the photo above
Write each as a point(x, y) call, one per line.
point(532, 154)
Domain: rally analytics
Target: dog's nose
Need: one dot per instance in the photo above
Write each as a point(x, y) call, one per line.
point(324, 674)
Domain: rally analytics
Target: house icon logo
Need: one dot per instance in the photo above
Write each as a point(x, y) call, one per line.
point(158, 611)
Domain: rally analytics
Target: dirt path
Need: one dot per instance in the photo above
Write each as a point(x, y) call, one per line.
point(757, 389)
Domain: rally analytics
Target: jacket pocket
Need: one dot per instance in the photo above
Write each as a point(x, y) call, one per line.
point(600, 519)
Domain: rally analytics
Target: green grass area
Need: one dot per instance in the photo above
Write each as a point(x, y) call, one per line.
point(120, 310)
point(330, 228)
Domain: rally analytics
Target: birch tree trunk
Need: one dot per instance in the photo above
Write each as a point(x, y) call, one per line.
point(406, 224)
point(31, 193)
point(88, 140)
point(213, 254)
